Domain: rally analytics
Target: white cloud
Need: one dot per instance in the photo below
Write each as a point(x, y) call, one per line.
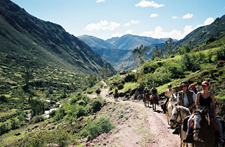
point(154, 15)
point(174, 17)
point(100, 1)
point(208, 21)
point(160, 33)
point(144, 3)
point(188, 29)
point(102, 25)
point(187, 16)
point(117, 35)
point(129, 32)
point(127, 24)
point(134, 21)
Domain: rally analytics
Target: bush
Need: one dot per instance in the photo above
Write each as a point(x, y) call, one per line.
point(37, 119)
point(81, 111)
point(52, 113)
point(96, 105)
point(3, 98)
point(60, 113)
point(3, 129)
point(102, 125)
point(81, 103)
point(85, 98)
point(73, 100)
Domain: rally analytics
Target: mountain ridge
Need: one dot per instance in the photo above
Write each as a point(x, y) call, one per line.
point(44, 40)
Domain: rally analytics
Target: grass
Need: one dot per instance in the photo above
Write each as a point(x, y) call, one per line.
point(129, 86)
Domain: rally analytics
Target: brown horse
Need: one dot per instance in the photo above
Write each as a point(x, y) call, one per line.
point(154, 101)
point(204, 130)
point(146, 100)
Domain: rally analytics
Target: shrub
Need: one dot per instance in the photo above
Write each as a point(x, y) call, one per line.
point(85, 98)
point(73, 100)
point(81, 111)
point(52, 113)
point(37, 119)
point(3, 98)
point(120, 86)
point(96, 105)
point(60, 113)
point(81, 103)
point(3, 129)
point(102, 125)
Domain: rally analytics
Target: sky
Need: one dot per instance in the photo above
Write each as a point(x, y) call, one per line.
point(113, 18)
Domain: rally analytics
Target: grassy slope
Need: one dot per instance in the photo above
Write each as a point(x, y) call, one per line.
point(207, 70)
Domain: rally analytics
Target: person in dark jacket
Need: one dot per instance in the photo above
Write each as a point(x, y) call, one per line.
point(154, 93)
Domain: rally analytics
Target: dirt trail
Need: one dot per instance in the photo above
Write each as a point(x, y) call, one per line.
point(146, 128)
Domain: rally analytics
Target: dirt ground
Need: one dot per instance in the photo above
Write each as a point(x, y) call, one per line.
point(141, 128)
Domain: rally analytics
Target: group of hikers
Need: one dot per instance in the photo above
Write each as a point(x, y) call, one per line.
point(152, 95)
point(193, 99)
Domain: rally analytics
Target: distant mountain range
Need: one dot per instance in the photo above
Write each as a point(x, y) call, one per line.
point(118, 50)
point(126, 42)
point(24, 38)
point(95, 42)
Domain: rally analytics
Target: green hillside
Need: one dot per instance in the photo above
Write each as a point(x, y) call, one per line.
point(194, 67)
point(203, 34)
point(43, 48)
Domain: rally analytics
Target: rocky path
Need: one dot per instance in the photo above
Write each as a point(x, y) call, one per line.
point(144, 128)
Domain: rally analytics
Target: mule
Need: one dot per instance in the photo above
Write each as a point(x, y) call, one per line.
point(116, 96)
point(146, 100)
point(204, 130)
point(154, 101)
point(170, 105)
point(177, 117)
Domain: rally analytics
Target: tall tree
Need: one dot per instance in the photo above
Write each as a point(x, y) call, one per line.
point(169, 46)
point(140, 54)
point(156, 53)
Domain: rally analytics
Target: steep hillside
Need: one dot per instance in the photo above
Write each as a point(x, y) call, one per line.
point(25, 38)
point(129, 42)
point(116, 57)
point(202, 34)
point(95, 42)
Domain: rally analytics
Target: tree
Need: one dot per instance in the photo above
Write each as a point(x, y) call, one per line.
point(140, 54)
point(28, 76)
point(156, 53)
point(122, 67)
point(169, 46)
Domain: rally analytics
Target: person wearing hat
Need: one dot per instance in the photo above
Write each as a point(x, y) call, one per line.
point(192, 87)
point(185, 98)
point(145, 93)
point(169, 92)
point(154, 93)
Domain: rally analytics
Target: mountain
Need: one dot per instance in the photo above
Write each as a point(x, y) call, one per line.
point(27, 39)
point(117, 56)
point(95, 42)
point(202, 34)
point(112, 40)
point(130, 42)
